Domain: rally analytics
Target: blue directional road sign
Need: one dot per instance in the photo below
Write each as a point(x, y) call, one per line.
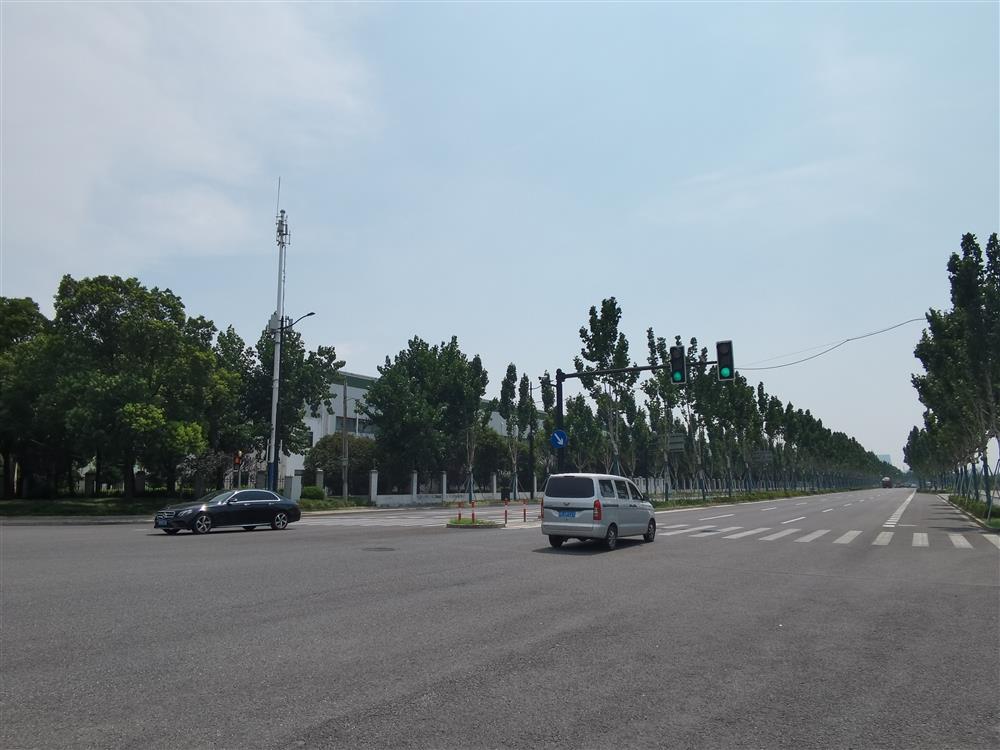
point(559, 439)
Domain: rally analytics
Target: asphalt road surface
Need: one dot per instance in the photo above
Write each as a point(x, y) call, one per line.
point(853, 620)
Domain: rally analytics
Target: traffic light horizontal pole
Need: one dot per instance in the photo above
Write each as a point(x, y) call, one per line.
point(560, 375)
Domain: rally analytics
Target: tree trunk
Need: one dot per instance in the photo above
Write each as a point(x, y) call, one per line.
point(8, 475)
point(128, 471)
point(97, 473)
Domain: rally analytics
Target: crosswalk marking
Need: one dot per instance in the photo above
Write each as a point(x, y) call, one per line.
point(920, 540)
point(674, 526)
point(748, 533)
point(960, 541)
point(772, 537)
point(847, 538)
point(883, 538)
point(993, 539)
point(793, 520)
point(717, 531)
point(712, 518)
point(686, 531)
point(813, 535)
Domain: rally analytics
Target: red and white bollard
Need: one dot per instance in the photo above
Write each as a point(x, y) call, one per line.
point(505, 504)
point(525, 510)
point(473, 512)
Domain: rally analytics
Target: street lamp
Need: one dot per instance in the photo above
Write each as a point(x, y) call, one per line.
point(279, 330)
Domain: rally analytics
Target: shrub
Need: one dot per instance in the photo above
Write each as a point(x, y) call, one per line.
point(313, 493)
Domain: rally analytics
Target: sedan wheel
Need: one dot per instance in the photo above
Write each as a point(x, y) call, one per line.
point(650, 531)
point(280, 521)
point(611, 540)
point(202, 524)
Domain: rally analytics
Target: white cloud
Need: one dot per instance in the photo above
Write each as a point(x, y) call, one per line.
point(136, 132)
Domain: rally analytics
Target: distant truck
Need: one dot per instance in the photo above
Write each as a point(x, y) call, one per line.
point(886, 482)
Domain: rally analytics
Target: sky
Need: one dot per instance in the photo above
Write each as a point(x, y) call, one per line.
point(782, 175)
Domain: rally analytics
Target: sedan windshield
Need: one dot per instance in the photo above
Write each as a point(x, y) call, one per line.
point(216, 497)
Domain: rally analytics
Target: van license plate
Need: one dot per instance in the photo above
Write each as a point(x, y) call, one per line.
point(567, 514)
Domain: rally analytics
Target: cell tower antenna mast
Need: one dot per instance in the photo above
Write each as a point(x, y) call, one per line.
point(277, 326)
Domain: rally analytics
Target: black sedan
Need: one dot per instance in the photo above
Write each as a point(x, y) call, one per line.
point(246, 508)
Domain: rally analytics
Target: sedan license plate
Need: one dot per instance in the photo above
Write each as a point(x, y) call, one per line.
point(567, 514)
point(161, 522)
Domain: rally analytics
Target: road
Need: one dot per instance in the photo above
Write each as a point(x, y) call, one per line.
point(864, 619)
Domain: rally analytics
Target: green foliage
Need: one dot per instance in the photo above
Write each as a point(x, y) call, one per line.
point(313, 493)
point(960, 386)
point(427, 408)
point(123, 377)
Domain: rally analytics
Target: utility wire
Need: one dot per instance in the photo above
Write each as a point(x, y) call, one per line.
point(835, 346)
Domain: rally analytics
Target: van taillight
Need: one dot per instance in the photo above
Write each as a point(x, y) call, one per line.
point(597, 510)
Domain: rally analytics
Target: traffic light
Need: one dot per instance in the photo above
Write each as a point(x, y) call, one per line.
point(237, 458)
point(678, 365)
point(724, 353)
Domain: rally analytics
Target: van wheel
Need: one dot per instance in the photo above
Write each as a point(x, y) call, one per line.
point(556, 541)
point(611, 538)
point(650, 534)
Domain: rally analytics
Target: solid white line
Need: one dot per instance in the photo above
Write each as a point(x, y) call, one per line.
point(793, 520)
point(960, 541)
point(772, 537)
point(685, 531)
point(717, 531)
point(712, 518)
point(828, 510)
point(992, 539)
point(920, 540)
point(883, 538)
point(747, 533)
point(813, 535)
point(847, 538)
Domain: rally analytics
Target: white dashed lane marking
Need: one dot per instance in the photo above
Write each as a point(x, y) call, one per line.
point(717, 531)
point(960, 541)
point(748, 533)
point(772, 537)
point(883, 538)
point(813, 536)
point(712, 518)
point(793, 520)
point(847, 538)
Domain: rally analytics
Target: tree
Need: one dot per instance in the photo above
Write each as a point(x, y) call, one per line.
point(427, 408)
point(508, 410)
point(605, 347)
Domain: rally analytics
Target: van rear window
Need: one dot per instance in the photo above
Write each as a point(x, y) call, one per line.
point(569, 487)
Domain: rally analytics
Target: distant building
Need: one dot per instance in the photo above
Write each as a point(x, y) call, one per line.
point(357, 423)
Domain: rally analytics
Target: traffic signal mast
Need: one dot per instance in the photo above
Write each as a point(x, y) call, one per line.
point(678, 376)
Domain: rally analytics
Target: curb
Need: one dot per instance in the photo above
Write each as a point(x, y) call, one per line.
point(476, 527)
point(979, 522)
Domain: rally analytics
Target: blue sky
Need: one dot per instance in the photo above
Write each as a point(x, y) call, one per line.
point(781, 175)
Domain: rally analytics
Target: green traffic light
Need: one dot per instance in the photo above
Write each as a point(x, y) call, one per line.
point(678, 377)
point(726, 372)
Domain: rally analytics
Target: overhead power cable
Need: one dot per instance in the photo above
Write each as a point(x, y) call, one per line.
point(835, 346)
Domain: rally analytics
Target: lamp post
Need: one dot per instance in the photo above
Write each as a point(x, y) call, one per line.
point(344, 449)
point(279, 329)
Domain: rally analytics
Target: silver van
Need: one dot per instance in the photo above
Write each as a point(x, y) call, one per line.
point(595, 506)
